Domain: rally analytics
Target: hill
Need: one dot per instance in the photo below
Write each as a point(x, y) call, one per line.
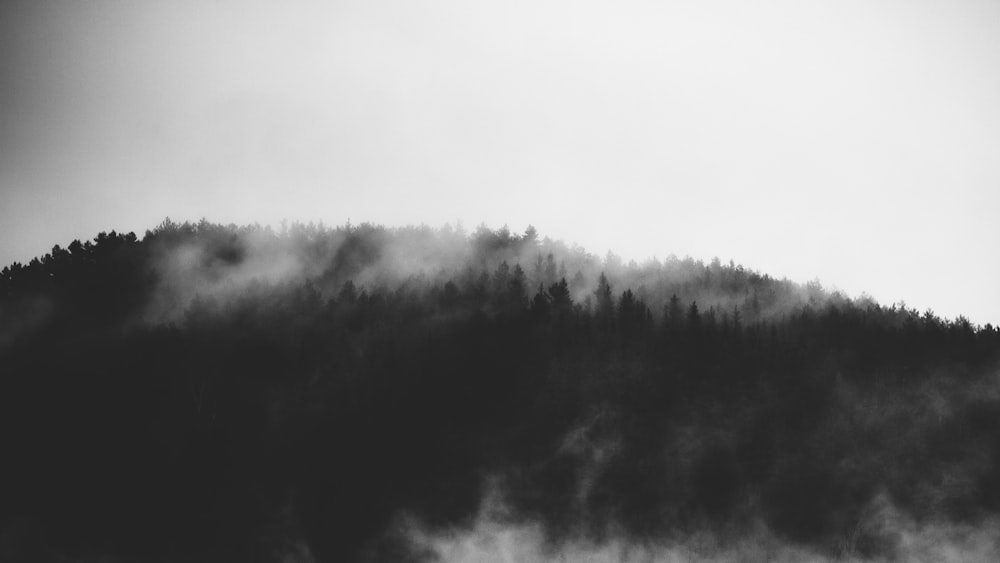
point(363, 393)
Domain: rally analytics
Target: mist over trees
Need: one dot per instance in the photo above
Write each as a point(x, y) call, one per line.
point(243, 393)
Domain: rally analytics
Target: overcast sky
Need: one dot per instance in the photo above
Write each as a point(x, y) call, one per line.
point(853, 141)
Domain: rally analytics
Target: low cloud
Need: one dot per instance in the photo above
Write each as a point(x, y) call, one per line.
point(887, 532)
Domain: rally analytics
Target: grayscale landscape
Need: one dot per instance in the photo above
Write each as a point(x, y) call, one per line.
point(462, 282)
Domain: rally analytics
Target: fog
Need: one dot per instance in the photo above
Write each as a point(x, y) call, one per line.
point(901, 539)
point(525, 281)
point(219, 263)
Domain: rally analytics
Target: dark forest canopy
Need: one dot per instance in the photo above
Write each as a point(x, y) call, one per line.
point(216, 392)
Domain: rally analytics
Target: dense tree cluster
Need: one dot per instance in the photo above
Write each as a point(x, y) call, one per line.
point(235, 393)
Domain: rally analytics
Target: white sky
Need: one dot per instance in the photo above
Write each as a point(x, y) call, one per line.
point(853, 141)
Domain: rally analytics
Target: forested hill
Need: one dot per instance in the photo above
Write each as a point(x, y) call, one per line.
point(361, 393)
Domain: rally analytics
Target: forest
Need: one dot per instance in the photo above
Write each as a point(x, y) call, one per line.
point(363, 393)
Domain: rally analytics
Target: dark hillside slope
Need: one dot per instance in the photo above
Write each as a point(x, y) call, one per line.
point(215, 393)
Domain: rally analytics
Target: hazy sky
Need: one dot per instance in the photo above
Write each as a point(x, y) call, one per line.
point(853, 141)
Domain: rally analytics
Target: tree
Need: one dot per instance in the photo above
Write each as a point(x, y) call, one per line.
point(540, 303)
point(672, 313)
point(530, 237)
point(501, 278)
point(603, 300)
point(517, 289)
point(538, 270)
point(693, 316)
point(348, 293)
point(559, 293)
point(550, 269)
point(578, 283)
point(449, 295)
